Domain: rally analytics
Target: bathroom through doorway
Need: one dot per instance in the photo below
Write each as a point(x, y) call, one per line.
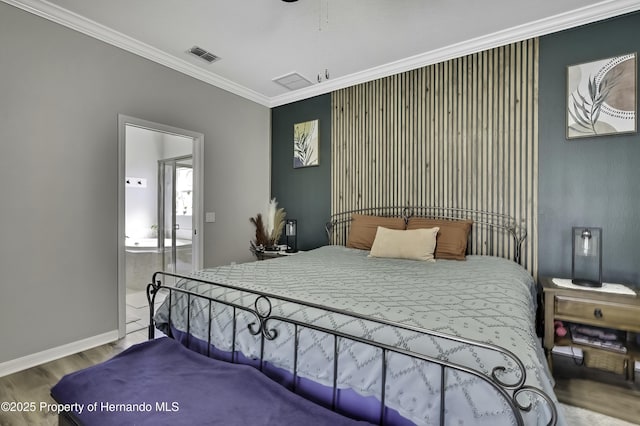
point(160, 211)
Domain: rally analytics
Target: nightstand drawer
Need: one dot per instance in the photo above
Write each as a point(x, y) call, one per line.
point(595, 312)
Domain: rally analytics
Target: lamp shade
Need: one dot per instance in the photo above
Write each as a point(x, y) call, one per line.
point(586, 263)
point(291, 232)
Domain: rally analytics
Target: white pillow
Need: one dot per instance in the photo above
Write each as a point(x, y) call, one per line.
point(414, 244)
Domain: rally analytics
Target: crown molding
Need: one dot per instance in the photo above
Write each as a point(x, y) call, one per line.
point(588, 14)
point(563, 21)
point(93, 29)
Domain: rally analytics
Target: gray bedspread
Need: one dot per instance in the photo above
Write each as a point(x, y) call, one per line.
point(484, 298)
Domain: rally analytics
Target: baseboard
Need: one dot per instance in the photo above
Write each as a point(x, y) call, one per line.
point(19, 364)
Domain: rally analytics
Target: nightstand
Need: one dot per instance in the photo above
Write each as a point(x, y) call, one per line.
point(264, 255)
point(604, 380)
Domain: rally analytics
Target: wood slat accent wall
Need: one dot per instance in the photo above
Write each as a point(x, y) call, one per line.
point(461, 133)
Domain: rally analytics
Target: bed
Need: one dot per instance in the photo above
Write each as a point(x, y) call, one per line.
point(384, 340)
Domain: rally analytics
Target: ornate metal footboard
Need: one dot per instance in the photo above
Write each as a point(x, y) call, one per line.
point(487, 236)
point(513, 393)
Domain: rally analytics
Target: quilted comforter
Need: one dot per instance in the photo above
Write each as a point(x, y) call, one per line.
point(484, 298)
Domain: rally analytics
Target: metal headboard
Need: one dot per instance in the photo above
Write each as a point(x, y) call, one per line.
point(266, 326)
point(485, 237)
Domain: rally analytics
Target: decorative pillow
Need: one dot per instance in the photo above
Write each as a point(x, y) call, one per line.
point(452, 238)
point(363, 229)
point(417, 244)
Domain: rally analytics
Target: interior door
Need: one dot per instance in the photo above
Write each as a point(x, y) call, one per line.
point(183, 227)
point(175, 214)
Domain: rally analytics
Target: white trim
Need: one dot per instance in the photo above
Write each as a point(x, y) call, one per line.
point(592, 13)
point(585, 15)
point(198, 201)
point(93, 29)
point(19, 364)
point(122, 266)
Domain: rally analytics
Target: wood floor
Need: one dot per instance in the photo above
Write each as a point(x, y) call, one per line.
point(600, 391)
point(34, 384)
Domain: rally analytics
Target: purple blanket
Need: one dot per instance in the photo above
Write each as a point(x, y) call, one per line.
point(160, 382)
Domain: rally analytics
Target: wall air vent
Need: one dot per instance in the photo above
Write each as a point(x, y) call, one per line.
point(203, 54)
point(292, 81)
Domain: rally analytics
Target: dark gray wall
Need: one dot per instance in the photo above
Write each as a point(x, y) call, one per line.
point(60, 96)
point(592, 181)
point(305, 193)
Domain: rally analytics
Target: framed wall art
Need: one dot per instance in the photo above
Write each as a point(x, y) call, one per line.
point(601, 97)
point(305, 144)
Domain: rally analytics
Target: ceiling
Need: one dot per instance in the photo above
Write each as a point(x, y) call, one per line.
point(342, 42)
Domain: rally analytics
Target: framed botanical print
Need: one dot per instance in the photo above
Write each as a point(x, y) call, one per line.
point(305, 144)
point(601, 97)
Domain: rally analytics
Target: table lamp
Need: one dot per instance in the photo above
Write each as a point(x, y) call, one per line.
point(586, 264)
point(290, 230)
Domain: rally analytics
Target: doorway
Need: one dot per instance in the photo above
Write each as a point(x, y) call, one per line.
point(160, 214)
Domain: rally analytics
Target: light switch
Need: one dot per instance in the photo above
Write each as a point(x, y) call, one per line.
point(210, 217)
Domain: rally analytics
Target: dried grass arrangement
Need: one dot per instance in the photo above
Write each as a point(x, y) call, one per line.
point(261, 236)
point(269, 230)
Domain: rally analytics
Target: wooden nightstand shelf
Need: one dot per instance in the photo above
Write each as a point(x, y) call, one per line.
point(606, 380)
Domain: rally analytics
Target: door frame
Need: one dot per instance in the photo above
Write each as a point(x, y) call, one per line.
point(198, 201)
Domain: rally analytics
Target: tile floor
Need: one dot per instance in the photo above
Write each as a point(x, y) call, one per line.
point(138, 310)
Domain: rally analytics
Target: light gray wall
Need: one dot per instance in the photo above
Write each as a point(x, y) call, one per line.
point(60, 96)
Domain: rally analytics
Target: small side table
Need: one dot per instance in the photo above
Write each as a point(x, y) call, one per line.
point(619, 396)
point(264, 255)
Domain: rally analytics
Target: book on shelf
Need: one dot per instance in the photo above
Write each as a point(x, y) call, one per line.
point(598, 337)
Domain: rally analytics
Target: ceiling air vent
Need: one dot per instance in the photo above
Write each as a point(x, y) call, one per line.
point(292, 81)
point(203, 54)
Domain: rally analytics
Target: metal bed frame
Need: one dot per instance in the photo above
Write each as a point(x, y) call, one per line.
point(266, 326)
point(487, 226)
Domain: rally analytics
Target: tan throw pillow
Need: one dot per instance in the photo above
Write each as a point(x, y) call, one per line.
point(363, 229)
point(452, 238)
point(417, 244)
